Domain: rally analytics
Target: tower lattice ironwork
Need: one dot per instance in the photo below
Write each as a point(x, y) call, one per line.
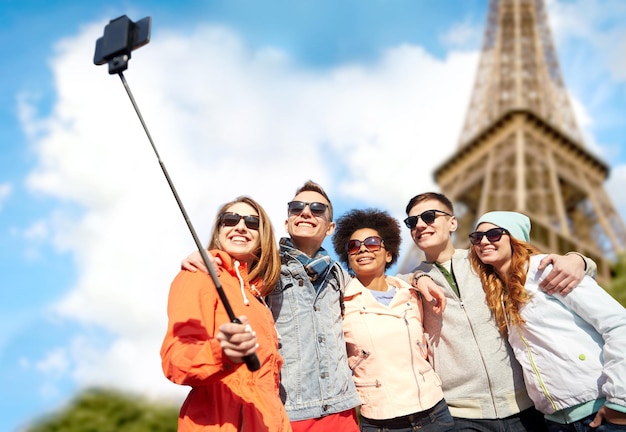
point(520, 148)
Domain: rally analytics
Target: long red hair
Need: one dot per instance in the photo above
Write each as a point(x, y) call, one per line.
point(505, 298)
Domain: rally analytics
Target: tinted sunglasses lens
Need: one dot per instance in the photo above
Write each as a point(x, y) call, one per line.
point(411, 221)
point(428, 216)
point(354, 246)
point(317, 208)
point(230, 219)
point(475, 237)
point(494, 234)
point(372, 243)
point(296, 207)
point(252, 222)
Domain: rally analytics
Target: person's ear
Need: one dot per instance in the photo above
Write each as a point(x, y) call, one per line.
point(454, 224)
point(331, 228)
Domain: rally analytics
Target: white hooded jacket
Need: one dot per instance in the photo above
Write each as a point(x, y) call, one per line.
point(572, 348)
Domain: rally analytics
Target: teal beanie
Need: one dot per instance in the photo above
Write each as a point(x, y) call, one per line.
point(517, 224)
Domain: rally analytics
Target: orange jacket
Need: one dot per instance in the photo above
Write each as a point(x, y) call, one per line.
point(224, 396)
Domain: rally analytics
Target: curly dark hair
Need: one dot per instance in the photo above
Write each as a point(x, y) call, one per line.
point(388, 229)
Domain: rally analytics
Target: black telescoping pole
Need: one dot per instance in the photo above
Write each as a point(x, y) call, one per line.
point(252, 361)
point(121, 36)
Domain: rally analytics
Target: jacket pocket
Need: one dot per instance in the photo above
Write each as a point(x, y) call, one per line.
point(356, 360)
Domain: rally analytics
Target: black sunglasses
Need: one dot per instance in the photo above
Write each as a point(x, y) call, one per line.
point(428, 217)
point(297, 207)
point(231, 219)
point(493, 235)
point(373, 244)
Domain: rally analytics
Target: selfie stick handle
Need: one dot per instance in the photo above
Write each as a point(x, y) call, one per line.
point(252, 361)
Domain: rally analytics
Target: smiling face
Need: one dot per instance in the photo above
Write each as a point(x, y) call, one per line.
point(239, 241)
point(368, 264)
point(306, 230)
point(434, 239)
point(497, 254)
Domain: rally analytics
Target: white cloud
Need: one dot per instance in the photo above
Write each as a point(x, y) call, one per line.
point(36, 234)
point(37, 231)
point(589, 36)
point(53, 367)
point(5, 192)
point(599, 23)
point(616, 190)
point(464, 36)
point(54, 363)
point(585, 123)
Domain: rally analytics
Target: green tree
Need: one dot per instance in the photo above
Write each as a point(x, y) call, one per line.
point(618, 283)
point(107, 410)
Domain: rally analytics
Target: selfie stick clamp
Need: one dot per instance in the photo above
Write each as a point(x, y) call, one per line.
point(121, 36)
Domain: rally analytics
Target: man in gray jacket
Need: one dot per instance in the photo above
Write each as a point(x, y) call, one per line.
point(482, 382)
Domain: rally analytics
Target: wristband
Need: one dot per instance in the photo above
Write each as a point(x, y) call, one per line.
point(416, 278)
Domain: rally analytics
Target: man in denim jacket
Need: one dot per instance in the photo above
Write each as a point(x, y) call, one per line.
point(316, 382)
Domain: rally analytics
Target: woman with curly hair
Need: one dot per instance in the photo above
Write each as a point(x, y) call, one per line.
point(571, 347)
point(383, 329)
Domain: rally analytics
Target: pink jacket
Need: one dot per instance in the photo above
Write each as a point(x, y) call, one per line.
point(387, 352)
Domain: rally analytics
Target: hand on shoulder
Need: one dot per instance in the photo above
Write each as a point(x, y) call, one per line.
point(567, 272)
point(431, 292)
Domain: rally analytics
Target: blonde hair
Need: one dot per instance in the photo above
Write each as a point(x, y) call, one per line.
point(265, 269)
point(506, 297)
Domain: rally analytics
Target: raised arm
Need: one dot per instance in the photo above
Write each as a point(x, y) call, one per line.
point(567, 272)
point(431, 292)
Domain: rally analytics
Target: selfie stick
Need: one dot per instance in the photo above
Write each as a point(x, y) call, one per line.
point(121, 36)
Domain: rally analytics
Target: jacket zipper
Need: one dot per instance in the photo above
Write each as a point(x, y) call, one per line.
point(482, 360)
point(546, 393)
point(415, 372)
point(469, 323)
point(374, 384)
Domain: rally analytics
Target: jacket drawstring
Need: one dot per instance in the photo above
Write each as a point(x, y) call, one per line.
point(241, 284)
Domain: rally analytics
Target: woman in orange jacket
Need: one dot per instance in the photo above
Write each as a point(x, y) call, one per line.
point(204, 350)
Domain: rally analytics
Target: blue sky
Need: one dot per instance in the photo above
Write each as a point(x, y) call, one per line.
point(241, 97)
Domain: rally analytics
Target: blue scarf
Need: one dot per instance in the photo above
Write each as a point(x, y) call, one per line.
point(316, 267)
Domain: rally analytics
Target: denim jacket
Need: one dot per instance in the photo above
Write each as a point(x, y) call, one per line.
point(315, 377)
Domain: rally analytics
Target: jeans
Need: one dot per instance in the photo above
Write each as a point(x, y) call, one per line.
point(436, 419)
point(529, 420)
point(582, 425)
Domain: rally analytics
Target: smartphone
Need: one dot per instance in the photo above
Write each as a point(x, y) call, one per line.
point(121, 36)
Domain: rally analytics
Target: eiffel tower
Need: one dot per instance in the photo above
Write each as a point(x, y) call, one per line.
point(520, 148)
